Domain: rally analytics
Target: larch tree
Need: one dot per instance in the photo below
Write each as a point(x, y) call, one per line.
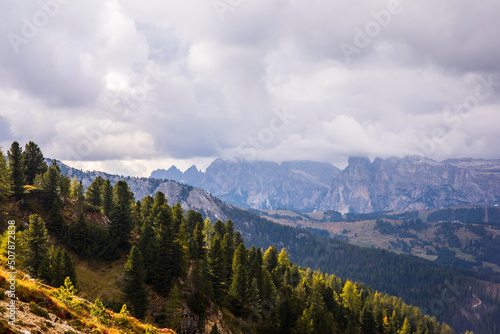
point(76, 190)
point(351, 297)
point(239, 284)
point(107, 197)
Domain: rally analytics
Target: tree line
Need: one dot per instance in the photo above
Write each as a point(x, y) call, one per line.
point(183, 256)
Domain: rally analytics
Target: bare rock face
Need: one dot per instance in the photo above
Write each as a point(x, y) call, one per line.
point(363, 186)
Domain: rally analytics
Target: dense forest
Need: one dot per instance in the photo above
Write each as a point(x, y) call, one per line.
point(202, 267)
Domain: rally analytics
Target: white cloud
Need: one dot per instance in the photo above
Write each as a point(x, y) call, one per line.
point(180, 84)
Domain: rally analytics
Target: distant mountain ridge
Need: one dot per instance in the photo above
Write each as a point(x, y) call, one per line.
point(421, 284)
point(410, 183)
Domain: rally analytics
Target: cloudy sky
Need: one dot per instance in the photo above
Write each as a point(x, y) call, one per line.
point(131, 86)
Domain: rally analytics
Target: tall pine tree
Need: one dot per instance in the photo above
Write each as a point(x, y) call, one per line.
point(217, 269)
point(107, 197)
point(93, 194)
point(36, 239)
point(34, 162)
point(239, 284)
point(55, 223)
point(133, 278)
point(5, 185)
point(16, 166)
point(121, 215)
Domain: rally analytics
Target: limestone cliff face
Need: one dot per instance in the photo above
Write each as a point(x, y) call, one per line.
point(363, 186)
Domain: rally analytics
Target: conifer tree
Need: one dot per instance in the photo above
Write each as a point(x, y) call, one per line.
point(98, 311)
point(107, 197)
point(183, 242)
point(171, 317)
point(121, 215)
point(76, 190)
point(36, 240)
point(217, 269)
point(93, 194)
point(164, 262)
point(56, 267)
point(77, 235)
point(34, 162)
point(239, 284)
point(305, 323)
point(146, 207)
point(55, 223)
point(227, 243)
point(177, 217)
point(147, 247)
point(192, 218)
point(159, 201)
point(367, 321)
point(229, 228)
point(133, 278)
point(208, 229)
point(68, 267)
point(5, 184)
point(394, 324)
point(351, 298)
point(67, 292)
point(65, 186)
point(406, 329)
point(16, 166)
point(238, 239)
point(198, 243)
point(219, 228)
point(271, 259)
point(51, 184)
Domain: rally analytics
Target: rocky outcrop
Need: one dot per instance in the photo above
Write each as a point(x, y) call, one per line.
point(363, 186)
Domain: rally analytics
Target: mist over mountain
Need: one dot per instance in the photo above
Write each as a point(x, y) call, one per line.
point(409, 183)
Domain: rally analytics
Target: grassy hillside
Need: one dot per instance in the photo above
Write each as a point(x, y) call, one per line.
point(40, 309)
point(466, 237)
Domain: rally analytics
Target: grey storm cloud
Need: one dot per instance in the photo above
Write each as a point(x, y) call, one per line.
point(153, 80)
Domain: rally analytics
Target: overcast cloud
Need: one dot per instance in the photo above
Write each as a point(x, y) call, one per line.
point(129, 86)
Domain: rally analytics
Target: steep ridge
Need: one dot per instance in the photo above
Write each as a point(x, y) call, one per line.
point(410, 183)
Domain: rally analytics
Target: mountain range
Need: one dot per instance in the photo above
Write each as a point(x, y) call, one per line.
point(391, 184)
point(417, 281)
